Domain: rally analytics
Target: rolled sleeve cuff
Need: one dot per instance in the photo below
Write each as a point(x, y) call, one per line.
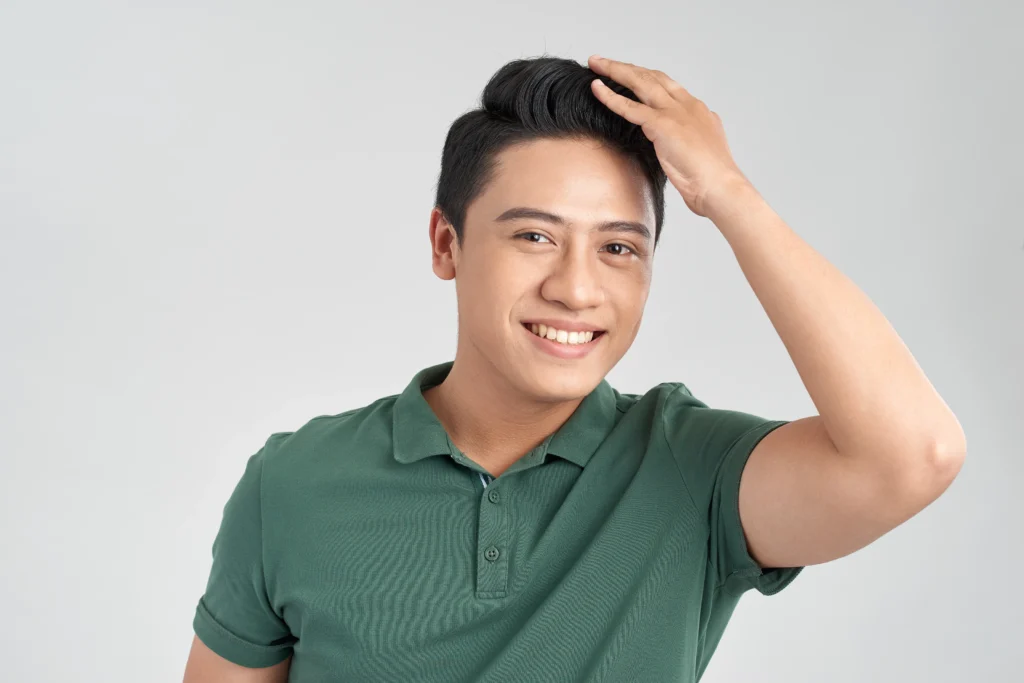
point(233, 648)
point(747, 572)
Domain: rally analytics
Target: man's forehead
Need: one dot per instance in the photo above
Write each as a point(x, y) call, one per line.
point(550, 194)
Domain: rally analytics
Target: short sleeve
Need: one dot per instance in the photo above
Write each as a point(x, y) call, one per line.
point(711, 447)
point(234, 617)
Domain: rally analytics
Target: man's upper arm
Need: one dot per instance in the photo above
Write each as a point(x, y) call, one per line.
point(802, 502)
point(206, 666)
point(236, 617)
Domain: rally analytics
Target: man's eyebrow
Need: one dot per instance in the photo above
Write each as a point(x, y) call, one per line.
point(526, 212)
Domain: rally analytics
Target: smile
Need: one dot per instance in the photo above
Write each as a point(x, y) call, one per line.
point(568, 338)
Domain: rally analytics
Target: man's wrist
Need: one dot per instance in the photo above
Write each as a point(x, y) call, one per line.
point(732, 196)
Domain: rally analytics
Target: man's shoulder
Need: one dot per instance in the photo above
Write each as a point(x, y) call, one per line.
point(331, 433)
point(663, 397)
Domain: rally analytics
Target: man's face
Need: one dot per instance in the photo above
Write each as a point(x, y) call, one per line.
point(514, 273)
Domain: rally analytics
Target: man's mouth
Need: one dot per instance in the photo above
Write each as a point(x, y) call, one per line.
point(563, 336)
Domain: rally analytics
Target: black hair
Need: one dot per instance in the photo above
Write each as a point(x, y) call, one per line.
point(530, 99)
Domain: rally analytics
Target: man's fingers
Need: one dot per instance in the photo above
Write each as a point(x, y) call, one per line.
point(647, 86)
point(631, 110)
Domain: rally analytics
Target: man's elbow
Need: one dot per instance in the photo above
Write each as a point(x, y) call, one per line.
point(946, 458)
point(927, 477)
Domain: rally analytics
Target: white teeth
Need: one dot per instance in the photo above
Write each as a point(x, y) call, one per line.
point(561, 336)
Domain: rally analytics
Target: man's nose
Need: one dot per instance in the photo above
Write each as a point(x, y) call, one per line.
point(575, 281)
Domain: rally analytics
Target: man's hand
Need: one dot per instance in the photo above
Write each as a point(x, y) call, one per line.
point(689, 138)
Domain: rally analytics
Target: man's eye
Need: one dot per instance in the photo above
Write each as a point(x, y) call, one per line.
point(527, 235)
point(623, 249)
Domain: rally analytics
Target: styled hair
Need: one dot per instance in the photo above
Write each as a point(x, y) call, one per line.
point(530, 99)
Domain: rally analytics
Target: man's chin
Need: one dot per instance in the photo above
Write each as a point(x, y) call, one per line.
point(561, 384)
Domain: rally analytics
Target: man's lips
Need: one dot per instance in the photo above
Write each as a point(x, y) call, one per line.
point(564, 350)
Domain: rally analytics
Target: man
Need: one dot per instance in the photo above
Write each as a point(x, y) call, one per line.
point(510, 516)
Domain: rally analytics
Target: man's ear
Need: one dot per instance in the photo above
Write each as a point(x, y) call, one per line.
point(444, 245)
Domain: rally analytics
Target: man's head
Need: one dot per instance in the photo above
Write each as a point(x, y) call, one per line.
point(548, 210)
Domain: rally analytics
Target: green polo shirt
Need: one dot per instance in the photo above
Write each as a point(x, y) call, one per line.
point(367, 547)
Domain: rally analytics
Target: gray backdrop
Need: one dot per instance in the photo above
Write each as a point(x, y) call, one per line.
point(214, 226)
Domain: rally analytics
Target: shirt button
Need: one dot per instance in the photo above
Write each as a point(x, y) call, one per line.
point(493, 496)
point(491, 554)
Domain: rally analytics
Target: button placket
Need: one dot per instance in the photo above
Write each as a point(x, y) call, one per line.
point(492, 542)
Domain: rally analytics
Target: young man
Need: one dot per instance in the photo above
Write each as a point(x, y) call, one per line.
point(511, 516)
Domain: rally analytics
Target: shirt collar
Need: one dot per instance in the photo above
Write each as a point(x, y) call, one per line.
point(417, 433)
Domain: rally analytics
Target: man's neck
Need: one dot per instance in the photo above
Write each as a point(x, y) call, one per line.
point(487, 420)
